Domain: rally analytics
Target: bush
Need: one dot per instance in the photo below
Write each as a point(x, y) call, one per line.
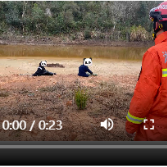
point(81, 98)
point(3, 27)
point(138, 34)
point(87, 34)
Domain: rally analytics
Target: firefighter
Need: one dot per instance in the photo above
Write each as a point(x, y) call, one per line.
point(147, 116)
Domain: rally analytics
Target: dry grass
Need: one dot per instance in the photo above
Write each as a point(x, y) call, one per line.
point(4, 94)
point(53, 88)
point(112, 99)
point(56, 102)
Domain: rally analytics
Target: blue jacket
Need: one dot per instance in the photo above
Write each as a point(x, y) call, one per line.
point(82, 71)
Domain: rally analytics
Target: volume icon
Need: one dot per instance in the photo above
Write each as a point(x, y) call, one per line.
point(107, 124)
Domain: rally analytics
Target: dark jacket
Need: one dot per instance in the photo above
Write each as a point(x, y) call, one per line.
point(42, 71)
point(82, 71)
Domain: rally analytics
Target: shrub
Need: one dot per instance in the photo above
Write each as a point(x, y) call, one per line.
point(87, 34)
point(81, 98)
point(138, 34)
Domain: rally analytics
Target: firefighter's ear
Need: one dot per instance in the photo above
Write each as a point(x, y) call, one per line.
point(90, 58)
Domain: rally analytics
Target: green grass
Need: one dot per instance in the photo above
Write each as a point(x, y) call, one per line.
point(81, 98)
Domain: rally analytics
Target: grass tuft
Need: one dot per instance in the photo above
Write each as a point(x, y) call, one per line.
point(81, 98)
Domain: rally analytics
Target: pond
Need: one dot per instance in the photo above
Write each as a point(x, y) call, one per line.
point(74, 51)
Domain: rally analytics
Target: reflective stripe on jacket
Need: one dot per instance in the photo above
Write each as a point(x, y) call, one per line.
point(133, 119)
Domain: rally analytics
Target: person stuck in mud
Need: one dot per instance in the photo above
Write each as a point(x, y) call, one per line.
point(84, 70)
point(147, 116)
point(41, 70)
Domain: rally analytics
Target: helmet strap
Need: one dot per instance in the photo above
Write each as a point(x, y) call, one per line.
point(154, 35)
point(156, 28)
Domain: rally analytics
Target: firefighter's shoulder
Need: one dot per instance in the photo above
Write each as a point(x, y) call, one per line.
point(157, 48)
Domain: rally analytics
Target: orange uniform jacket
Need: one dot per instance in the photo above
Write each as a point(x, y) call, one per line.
point(150, 96)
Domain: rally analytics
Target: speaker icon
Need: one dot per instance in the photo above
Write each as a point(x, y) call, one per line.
point(107, 124)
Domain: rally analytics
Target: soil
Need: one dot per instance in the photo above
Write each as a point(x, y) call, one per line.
point(28, 98)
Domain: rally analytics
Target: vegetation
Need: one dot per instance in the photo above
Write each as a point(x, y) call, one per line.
point(138, 34)
point(81, 98)
point(94, 18)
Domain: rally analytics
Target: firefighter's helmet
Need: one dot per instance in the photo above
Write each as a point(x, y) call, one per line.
point(158, 15)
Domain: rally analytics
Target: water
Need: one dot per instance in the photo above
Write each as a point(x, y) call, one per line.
point(107, 52)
